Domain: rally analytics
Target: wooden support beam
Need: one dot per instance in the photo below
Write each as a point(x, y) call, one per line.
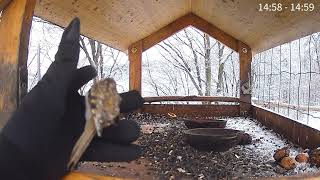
point(3, 4)
point(190, 98)
point(185, 21)
point(245, 57)
point(15, 24)
point(135, 63)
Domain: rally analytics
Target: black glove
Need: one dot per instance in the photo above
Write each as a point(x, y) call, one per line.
point(38, 139)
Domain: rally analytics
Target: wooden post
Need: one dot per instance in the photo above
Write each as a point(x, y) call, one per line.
point(3, 4)
point(245, 56)
point(135, 63)
point(15, 24)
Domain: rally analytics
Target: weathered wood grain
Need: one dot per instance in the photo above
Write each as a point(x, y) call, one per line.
point(135, 65)
point(245, 57)
point(14, 35)
point(190, 98)
point(3, 4)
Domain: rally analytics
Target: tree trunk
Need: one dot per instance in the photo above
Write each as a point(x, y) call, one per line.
point(39, 63)
point(95, 57)
point(196, 63)
point(101, 63)
point(207, 64)
point(220, 68)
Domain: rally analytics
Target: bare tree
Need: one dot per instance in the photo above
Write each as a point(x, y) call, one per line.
point(207, 64)
point(221, 84)
point(44, 40)
point(94, 56)
point(190, 55)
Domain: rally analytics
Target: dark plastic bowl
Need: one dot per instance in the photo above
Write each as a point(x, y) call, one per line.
point(212, 139)
point(204, 123)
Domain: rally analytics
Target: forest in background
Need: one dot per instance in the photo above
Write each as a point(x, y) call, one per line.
point(284, 78)
point(44, 41)
point(187, 63)
point(190, 62)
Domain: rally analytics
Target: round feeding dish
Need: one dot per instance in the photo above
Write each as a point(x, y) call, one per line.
point(204, 123)
point(212, 139)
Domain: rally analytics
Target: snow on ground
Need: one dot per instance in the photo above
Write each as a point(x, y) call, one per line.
point(270, 141)
point(171, 156)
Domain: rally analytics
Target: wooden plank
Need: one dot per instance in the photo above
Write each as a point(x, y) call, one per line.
point(86, 176)
point(119, 23)
point(3, 4)
point(245, 57)
point(135, 63)
point(185, 21)
point(190, 98)
point(14, 34)
point(304, 176)
point(192, 110)
point(294, 131)
point(261, 30)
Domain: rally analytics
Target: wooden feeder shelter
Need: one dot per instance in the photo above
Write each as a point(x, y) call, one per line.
point(133, 26)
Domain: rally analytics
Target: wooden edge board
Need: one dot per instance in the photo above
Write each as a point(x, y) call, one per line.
point(191, 98)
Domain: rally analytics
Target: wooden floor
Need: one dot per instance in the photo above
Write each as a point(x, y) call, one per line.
point(138, 169)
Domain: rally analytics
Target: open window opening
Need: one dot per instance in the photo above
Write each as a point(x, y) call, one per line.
point(44, 41)
point(190, 63)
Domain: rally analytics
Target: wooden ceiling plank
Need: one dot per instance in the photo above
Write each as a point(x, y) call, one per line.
point(119, 23)
point(260, 29)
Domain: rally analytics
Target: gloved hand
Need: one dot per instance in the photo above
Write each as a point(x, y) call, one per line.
point(38, 139)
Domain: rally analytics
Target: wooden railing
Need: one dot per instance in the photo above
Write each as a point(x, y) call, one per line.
point(191, 98)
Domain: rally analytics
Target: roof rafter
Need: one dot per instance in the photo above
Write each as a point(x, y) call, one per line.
point(189, 19)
